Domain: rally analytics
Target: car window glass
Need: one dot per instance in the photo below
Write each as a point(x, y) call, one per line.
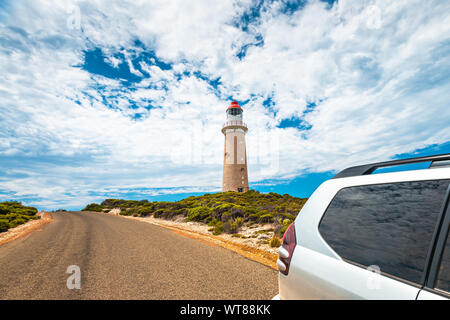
point(385, 225)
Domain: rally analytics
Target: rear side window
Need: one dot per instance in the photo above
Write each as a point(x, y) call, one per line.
point(443, 280)
point(386, 225)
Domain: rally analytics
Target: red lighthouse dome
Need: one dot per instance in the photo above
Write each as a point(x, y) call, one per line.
point(234, 104)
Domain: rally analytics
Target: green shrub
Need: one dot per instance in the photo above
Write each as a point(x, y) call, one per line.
point(283, 230)
point(249, 207)
point(4, 225)
point(218, 228)
point(168, 214)
point(212, 222)
point(266, 218)
point(94, 207)
point(275, 242)
point(226, 216)
point(4, 209)
point(182, 211)
point(17, 222)
point(237, 211)
point(13, 213)
point(145, 211)
point(287, 215)
point(8, 207)
point(221, 207)
point(125, 212)
point(198, 213)
point(230, 226)
point(158, 213)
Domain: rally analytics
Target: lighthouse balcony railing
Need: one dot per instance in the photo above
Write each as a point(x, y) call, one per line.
point(231, 123)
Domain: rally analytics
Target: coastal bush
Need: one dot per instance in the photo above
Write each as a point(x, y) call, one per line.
point(13, 213)
point(275, 242)
point(199, 214)
point(245, 208)
point(158, 213)
point(14, 223)
point(178, 212)
point(4, 209)
point(268, 217)
point(8, 207)
point(225, 217)
point(285, 215)
point(230, 226)
point(218, 228)
point(93, 207)
point(145, 211)
point(126, 212)
point(4, 225)
point(283, 230)
point(212, 222)
point(169, 213)
point(221, 208)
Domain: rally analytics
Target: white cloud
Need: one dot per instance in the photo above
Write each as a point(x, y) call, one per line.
point(378, 72)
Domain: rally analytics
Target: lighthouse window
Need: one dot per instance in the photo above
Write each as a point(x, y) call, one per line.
point(240, 190)
point(234, 111)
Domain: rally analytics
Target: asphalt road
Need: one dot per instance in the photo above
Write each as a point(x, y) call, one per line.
point(125, 259)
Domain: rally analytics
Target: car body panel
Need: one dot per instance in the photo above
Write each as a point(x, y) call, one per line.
point(313, 275)
point(318, 272)
point(427, 295)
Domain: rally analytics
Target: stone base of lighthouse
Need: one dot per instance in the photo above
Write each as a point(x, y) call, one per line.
point(232, 178)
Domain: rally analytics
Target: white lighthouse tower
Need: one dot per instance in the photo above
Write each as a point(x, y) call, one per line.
point(235, 177)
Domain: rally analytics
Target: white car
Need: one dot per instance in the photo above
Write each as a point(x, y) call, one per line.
point(365, 235)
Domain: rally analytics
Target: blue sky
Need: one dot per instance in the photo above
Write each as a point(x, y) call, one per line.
point(124, 100)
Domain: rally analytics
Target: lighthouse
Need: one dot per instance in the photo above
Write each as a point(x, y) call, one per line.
point(235, 177)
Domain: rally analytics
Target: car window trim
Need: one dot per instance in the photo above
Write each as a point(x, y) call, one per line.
point(441, 242)
point(440, 292)
point(436, 245)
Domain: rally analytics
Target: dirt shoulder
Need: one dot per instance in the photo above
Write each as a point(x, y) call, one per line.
point(250, 242)
point(25, 229)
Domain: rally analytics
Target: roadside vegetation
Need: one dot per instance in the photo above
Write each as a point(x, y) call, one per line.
point(223, 212)
point(14, 213)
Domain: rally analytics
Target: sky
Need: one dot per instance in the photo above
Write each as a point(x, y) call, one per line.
point(126, 99)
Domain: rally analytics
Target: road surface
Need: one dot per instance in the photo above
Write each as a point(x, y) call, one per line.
point(125, 259)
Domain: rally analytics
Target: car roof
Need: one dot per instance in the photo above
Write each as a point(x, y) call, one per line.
point(439, 160)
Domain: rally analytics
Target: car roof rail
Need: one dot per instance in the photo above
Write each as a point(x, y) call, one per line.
point(439, 160)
